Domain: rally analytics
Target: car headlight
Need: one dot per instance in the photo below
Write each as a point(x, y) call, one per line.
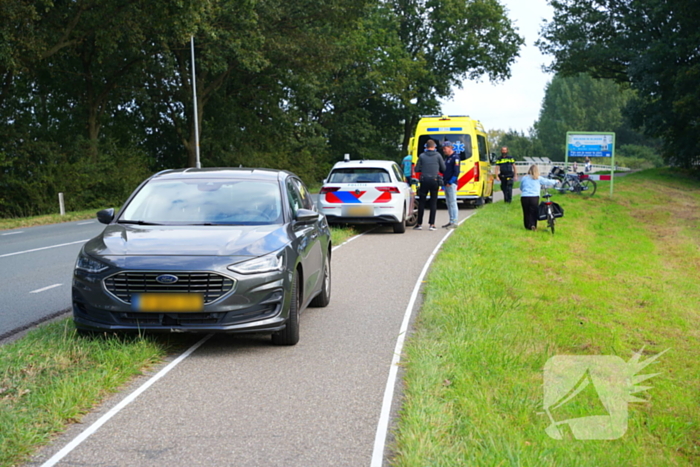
point(85, 263)
point(268, 263)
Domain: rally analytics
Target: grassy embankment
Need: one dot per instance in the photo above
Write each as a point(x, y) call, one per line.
point(619, 275)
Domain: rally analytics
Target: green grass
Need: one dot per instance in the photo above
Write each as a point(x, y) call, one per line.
point(621, 274)
point(22, 222)
point(52, 377)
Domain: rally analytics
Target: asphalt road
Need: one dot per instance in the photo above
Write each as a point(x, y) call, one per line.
point(241, 401)
point(36, 267)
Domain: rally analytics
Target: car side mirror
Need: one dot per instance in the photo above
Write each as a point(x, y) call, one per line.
point(306, 216)
point(105, 216)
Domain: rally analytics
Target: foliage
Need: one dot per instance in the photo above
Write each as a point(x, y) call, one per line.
point(519, 145)
point(650, 45)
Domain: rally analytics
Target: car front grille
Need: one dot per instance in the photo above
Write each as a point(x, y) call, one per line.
point(212, 286)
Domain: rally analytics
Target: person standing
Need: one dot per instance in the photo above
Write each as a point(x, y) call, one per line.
point(407, 165)
point(588, 164)
point(430, 165)
point(451, 176)
point(530, 186)
point(505, 171)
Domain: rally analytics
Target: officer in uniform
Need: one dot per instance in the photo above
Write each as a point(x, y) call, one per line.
point(505, 171)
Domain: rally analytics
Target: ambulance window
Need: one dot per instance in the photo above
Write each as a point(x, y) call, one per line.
point(462, 144)
point(483, 152)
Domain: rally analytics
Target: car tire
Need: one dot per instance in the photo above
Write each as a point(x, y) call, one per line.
point(324, 298)
point(400, 227)
point(290, 334)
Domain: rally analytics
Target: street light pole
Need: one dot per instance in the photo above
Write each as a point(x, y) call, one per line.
point(194, 92)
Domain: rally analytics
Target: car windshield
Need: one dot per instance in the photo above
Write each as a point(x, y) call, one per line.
point(205, 202)
point(359, 175)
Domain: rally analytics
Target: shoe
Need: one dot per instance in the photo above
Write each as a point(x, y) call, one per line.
point(533, 228)
point(453, 225)
point(418, 227)
point(432, 227)
point(448, 225)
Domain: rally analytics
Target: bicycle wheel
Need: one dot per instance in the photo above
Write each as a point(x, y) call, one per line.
point(550, 220)
point(588, 187)
point(565, 187)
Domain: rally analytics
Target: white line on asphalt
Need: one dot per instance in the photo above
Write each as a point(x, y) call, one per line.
point(385, 414)
point(117, 408)
point(351, 239)
point(86, 223)
point(12, 233)
point(43, 248)
point(46, 288)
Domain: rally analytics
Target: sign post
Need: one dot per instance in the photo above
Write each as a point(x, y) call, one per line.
point(592, 144)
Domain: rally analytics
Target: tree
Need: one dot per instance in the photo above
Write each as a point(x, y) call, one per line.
point(651, 45)
point(579, 103)
point(448, 41)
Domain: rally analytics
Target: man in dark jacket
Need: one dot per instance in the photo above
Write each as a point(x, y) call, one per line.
point(505, 171)
point(430, 165)
point(451, 177)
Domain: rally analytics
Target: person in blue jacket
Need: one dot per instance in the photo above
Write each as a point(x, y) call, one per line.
point(451, 176)
point(530, 186)
point(407, 165)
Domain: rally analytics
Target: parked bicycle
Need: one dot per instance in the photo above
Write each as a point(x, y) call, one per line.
point(579, 183)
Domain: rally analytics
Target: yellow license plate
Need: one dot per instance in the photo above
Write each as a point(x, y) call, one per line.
point(359, 211)
point(167, 302)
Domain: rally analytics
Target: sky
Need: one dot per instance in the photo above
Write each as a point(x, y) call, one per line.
point(513, 104)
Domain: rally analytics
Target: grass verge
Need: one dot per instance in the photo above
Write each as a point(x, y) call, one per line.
point(621, 274)
point(22, 222)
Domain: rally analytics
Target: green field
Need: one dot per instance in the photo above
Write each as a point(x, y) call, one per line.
point(619, 276)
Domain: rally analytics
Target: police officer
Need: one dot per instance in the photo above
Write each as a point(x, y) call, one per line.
point(505, 171)
point(430, 165)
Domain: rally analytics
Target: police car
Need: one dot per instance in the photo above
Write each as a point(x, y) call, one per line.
point(368, 192)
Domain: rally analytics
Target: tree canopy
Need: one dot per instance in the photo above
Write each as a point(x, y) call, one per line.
point(650, 45)
point(96, 94)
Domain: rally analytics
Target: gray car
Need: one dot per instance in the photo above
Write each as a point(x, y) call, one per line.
point(206, 250)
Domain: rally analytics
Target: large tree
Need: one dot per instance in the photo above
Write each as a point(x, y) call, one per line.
point(652, 45)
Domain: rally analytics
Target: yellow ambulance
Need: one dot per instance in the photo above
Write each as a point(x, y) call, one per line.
point(475, 185)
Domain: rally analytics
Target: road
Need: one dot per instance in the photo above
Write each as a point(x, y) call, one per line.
point(241, 401)
point(36, 267)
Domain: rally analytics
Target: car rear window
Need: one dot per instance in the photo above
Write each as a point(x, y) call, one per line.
point(359, 175)
point(198, 202)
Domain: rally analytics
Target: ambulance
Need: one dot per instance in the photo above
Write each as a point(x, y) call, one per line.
point(475, 185)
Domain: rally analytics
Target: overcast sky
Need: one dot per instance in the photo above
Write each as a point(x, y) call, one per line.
point(514, 104)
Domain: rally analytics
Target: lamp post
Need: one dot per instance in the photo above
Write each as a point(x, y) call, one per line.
point(196, 119)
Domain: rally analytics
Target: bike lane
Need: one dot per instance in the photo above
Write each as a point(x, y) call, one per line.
point(241, 401)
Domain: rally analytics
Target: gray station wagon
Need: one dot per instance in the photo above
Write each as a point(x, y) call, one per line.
point(206, 250)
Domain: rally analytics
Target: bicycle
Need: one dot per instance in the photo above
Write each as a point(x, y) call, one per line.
point(549, 210)
point(578, 183)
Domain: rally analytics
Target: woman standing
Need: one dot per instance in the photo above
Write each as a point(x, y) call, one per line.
point(530, 186)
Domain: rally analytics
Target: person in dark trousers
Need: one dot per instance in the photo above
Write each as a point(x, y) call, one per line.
point(505, 171)
point(530, 187)
point(430, 165)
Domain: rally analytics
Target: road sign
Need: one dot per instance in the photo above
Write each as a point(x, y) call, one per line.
point(586, 144)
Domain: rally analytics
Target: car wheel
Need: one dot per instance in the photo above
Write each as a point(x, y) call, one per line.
point(290, 334)
point(324, 298)
point(400, 227)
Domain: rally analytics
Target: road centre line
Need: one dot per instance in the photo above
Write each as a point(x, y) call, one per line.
point(385, 414)
point(46, 288)
point(12, 233)
point(117, 408)
point(42, 248)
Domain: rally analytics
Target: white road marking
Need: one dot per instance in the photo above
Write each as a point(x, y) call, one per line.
point(13, 233)
point(43, 248)
point(46, 288)
point(86, 223)
point(385, 414)
point(117, 408)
